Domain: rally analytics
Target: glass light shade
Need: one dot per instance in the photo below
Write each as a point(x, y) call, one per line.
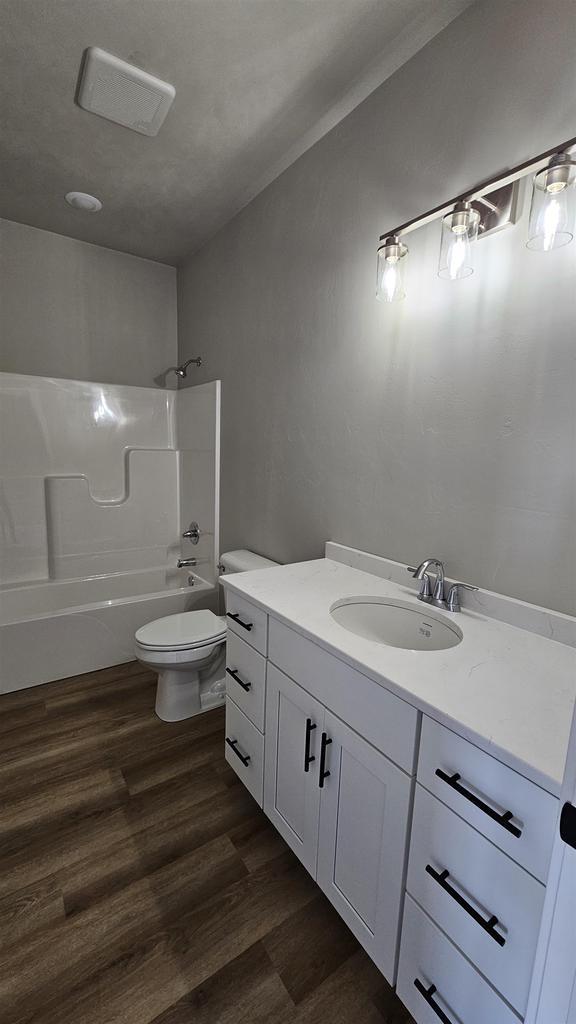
point(459, 230)
point(552, 213)
point(390, 271)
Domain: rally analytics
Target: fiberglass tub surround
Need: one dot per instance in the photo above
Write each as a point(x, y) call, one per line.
point(97, 484)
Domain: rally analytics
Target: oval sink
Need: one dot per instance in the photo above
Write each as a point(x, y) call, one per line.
point(396, 623)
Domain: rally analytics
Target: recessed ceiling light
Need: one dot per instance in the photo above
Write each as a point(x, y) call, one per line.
point(83, 201)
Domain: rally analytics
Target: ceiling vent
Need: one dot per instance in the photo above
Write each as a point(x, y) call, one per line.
point(122, 93)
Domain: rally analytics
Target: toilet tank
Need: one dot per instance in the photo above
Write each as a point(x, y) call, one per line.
point(242, 561)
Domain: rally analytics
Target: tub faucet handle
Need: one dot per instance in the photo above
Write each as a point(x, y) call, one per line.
point(192, 533)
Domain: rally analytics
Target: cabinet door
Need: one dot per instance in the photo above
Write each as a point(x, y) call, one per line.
point(362, 841)
point(294, 724)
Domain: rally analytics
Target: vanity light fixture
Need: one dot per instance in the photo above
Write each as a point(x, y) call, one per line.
point(390, 279)
point(553, 205)
point(487, 208)
point(459, 231)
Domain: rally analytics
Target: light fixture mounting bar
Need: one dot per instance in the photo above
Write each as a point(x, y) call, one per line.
point(484, 188)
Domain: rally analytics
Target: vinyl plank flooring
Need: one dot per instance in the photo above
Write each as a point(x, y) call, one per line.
point(257, 841)
point(246, 991)
point(309, 946)
point(21, 716)
point(23, 815)
point(173, 758)
point(159, 970)
point(111, 928)
point(141, 884)
point(351, 993)
point(28, 911)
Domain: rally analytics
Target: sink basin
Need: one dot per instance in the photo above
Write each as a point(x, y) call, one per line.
point(396, 623)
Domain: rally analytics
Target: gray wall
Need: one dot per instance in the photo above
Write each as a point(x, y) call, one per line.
point(443, 426)
point(70, 309)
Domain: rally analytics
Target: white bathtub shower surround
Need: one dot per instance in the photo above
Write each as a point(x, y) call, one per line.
point(77, 437)
point(97, 484)
point(54, 630)
point(198, 433)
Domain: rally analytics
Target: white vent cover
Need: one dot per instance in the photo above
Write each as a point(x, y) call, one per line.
point(122, 93)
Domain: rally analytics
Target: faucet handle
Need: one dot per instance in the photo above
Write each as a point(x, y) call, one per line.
point(453, 601)
point(192, 533)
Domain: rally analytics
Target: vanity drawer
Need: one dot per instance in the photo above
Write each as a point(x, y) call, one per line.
point(245, 744)
point(429, 958)
point(481, 789)
point(247, 621)
point(246, 679)
point(386, 721)
point(462, 880)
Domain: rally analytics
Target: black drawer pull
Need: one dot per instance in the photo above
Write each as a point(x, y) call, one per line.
point(236, 618)
point(568, 825)
point(324, 774)
point(427, 994)
point(233, 672)
point(488, 925)
point(503, 819)
point(245, 759)
point(308, 757)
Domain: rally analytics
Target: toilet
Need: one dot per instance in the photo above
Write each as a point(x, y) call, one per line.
point(188, 651)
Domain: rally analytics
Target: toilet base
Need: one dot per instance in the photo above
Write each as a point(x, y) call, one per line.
point(179, 695)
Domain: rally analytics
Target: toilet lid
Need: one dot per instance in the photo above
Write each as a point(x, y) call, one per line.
point(187, 629)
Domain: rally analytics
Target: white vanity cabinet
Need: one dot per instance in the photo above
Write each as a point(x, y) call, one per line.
point(396, 817)
point(294, 726)
point(246, 647)
point(479, 849)
point(364, 819)
point(343, 807)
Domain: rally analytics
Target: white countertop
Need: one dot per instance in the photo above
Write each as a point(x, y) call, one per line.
point(508, 690)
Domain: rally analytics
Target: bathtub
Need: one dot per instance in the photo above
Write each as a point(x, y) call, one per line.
point(51, 630)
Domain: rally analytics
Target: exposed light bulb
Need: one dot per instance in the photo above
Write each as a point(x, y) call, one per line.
point(459, 229)
point(553, 208)
point(556, 186)
point(390, 285)
point(390, 279)
point(550, 223)
point(456, 258)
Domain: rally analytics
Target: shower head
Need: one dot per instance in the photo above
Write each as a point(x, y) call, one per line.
point(182, 371)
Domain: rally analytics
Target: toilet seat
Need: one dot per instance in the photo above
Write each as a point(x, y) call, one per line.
point(182, 632)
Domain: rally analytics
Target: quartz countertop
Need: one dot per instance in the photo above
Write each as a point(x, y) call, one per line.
point(506, 689)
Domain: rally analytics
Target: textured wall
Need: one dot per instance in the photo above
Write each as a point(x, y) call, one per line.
point(442, 427)
point(74, 310)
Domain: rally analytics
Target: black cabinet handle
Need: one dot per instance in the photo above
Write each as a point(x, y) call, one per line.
point(245, 686)
point(568, 825)
point(427, 994)
point(488, 925)
point(308, 757)
point(245, 759)
point(236, 618)
point(323, 772)
point(503, 819)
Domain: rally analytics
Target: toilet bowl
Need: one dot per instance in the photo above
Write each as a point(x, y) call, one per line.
point(188, 651)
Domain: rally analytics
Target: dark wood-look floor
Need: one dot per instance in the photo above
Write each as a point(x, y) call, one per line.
point(140, 883)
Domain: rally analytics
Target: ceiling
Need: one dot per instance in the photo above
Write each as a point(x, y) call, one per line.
point(257, 82)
